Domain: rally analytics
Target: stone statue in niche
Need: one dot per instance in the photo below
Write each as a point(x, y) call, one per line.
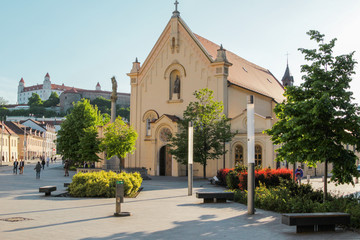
point(177, 87)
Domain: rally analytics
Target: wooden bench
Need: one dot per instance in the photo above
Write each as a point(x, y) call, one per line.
point(313, 222)
point(47, 190)
point(219, 197)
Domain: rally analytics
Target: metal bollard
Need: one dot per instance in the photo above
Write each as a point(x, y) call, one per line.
point(308, 179)
point(119, 198)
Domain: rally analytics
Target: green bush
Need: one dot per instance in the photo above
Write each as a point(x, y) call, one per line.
point(290, 197)
point(103, 184)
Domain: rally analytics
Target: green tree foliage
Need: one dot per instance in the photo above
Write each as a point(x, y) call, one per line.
point(104, 106)
point(78, 134)
point(3, 101)
point(119, 139)
point(318, 120)
point(35, 100)
point(211, 129)
point(53, 100)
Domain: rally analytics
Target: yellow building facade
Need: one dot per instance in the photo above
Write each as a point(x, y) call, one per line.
point(180, 63)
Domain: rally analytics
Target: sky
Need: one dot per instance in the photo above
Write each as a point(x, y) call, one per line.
point(82, 42)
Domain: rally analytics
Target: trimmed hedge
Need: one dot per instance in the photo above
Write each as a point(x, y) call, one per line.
point(237, 178)
point(103, 184)
point(289, 197)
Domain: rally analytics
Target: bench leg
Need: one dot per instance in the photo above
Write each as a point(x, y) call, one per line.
point(47, 193)
point(306, 228)
point(208, 200)
point(221, 200)
point(324, 228)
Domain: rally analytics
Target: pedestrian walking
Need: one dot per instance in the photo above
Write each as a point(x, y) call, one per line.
point(16, 164)
point(21, 166)
point(54, 159)
point(299, 174)
point(43, 163)
point(38, 170)
point(47, 161)
point(66, 168)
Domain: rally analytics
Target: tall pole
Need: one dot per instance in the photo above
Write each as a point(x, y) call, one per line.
point(2, 139)
point(190, 158)
point(25, 144)
point(251, 154)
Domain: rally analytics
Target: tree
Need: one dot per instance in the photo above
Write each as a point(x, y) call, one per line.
point(211, 129)
point(318, 120)
point(3, 101)
point(78, 134)
point(119, 140)
point(53, 100)
point(35, 100)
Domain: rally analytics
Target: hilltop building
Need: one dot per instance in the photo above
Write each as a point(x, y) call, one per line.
point(67, 94)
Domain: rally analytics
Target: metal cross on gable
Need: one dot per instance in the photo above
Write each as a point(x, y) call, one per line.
point(176, 5)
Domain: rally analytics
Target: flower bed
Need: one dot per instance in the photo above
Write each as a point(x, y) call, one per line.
point(237, 178)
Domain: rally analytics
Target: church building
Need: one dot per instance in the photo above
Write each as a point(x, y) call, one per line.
point(180, 63)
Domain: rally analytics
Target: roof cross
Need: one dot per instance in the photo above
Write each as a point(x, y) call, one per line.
point(287, 57)
point(176, 5)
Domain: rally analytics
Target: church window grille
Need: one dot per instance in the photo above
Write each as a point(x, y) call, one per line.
point(239, 155)
point(148, 127)
point(258, 156)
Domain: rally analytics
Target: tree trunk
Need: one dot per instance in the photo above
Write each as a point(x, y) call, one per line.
point(294, 168)
point(325, 180)
point(204, 170)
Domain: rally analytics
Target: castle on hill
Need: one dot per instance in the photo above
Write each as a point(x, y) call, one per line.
point(67, 95)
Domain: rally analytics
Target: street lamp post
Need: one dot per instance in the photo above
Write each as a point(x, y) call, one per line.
point(2, 139)
point(251, 154)
point(190, 158)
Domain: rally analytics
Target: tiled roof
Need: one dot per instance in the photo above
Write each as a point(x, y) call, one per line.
point(32, 88)
point(47, 75)
point(22, 80)
point(246, 74)
point(16, 127)
point(172, 117)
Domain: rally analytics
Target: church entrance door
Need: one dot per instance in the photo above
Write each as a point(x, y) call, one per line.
point(165, 164)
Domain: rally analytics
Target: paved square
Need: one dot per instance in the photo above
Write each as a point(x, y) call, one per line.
point(161, 211)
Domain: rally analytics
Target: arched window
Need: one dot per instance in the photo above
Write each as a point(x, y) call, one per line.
point(258, 156)
point(239, 155)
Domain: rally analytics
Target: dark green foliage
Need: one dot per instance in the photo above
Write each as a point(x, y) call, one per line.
point(77, 138)
point(37, 111)
point(53, 100)
point(103, 184)
point(104, 106)
point(290, 197)
point(318, 119)
point(35, 100)
point(211, 129)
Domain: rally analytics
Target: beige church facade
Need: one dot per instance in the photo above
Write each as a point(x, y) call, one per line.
point(180, 63)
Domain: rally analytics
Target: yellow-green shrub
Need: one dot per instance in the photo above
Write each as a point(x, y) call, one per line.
point(103, 184)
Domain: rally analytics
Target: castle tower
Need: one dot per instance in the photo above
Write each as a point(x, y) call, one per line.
point(20, 90)
point(47, 83)
point(21, 85)
point(287, 79)
point(98, 87)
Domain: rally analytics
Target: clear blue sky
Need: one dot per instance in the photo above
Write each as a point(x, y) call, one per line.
point(83, 42)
